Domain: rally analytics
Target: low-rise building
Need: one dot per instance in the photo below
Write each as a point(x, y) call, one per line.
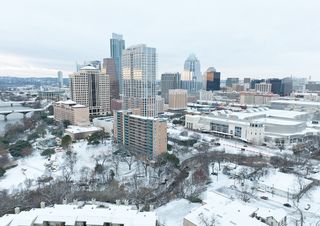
point(256, 125)
point(223, 211)
point(54, 95)
point(146, 136)
point(296, 105)
point(76, 114)
point(255, 98)
point(80, 215)
point(79, 132)
point(106, 123)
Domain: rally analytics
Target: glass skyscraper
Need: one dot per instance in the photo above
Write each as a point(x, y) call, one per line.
point(191, 78)
point(117, 45)
point(139, 69)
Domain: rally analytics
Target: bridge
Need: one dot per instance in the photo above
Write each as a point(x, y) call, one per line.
point(22, 111)
point(15, 103)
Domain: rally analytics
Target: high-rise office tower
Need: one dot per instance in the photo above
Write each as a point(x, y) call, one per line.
point(91, 88)
point(232, 81)
point(139, 69)
point(212, 79)
point(169, 81)
point(191, 78)
point(117, 45)
point(109, 67)
point(254, 82)
point(60, 79)
point(286, 86)
point(275, 85)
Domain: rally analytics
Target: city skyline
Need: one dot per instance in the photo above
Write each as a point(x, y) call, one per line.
point(243, 38)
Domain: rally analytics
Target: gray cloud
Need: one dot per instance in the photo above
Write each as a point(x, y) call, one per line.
point(239, 38)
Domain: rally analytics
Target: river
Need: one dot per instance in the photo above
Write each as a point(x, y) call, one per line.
point(11, 118)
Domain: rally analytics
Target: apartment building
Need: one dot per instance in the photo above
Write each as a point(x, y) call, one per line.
point(145, 136)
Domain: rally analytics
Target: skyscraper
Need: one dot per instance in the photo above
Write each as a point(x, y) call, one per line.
point(286, 86)
point(191, 78)
point(212, 79)
point(169, 81)
point(60, 79)
point(139, 69)
point(275, 85)
point(91, 88)
point(110, 69)
point(117, 45)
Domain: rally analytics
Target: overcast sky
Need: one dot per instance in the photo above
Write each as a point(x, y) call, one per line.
point(255, 38)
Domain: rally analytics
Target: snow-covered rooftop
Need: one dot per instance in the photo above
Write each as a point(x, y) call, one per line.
point(295, 102)
point(66, 102)
point(88, 68)
point(79, 129)
point(91, 214)
point(225, 211)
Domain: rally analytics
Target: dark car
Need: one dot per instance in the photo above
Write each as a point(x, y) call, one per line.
point(264, 197)
point(287, 205)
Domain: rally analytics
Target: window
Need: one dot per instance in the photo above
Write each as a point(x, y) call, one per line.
point(237, 131)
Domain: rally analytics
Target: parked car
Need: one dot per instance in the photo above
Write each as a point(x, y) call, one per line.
point(264, 197)
point(287, 205)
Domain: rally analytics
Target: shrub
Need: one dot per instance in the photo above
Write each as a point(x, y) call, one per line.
point(2, 172)
point(20, 149)
point(48, 152)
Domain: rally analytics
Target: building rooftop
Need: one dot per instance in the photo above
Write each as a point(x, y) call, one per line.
point(79, 129)
point(91, 214)
point(66, 102)
point(88, 68)
point(225, 211)
point(297, 102)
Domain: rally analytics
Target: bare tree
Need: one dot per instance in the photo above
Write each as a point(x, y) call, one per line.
point(208, 220)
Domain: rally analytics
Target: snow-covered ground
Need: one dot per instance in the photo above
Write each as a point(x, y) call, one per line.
point(172, 214)
point(228, 187)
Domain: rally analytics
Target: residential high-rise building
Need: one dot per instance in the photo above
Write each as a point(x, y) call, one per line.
point(212, 79)
point(191, 78)
point(146, 136)
point(178, 99)
point(246, 83)
point(110, 69)
point(91, 88)
point(139, 69)
point(117, 45)
point(263, 87)
point(169, 81)
point(60, 79)
point(232, 81)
